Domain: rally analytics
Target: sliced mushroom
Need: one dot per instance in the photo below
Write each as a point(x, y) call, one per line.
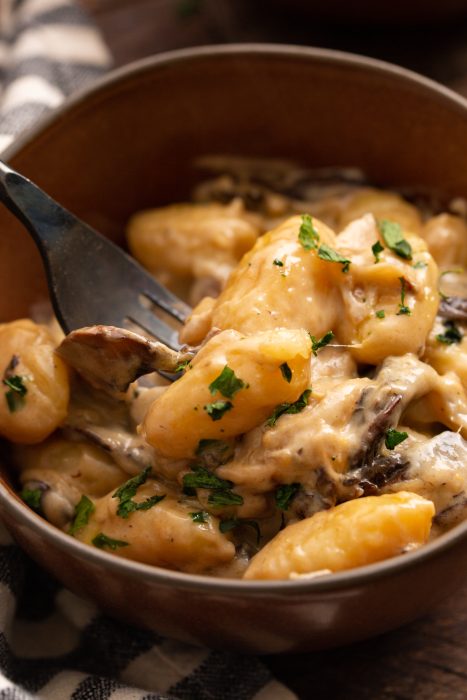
point(377, 413)
point(56, 504)
point(381, 471)
point(107, 423)
point(453, 309)
point(128, 450)
point(112, 358)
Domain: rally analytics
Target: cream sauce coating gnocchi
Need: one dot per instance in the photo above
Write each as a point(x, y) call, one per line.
point(318, 421)
point(35, 383)
point(189, 408)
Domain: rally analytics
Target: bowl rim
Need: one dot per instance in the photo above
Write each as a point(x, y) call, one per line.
point(143, 65)
point(25, 517)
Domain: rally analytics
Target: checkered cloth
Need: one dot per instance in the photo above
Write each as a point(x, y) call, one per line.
point(54, 645)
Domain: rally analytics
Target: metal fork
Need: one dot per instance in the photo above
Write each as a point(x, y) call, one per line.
point(91, 280)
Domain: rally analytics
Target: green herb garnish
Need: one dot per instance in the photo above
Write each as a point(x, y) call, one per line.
point(377, 248)
point(278, 262)
point(394, 438)
point(183, 365)
point(231, 523)
point(285, 494)
point(403, 309)
point(225, 498)
point(394, 238)
point(202, 478)
point(17, 391)
point(286, 372)
point(103, 541)
point(451, 335)
point(217, 409)
point(290, 408)
point(83, 511)
point(420, 265)
point(308, 235)
point(321, 343)
point(201, 516)
point(330, 255)
point(380, 314)
point(126, 491)
point(32, 497)
point(227, 383)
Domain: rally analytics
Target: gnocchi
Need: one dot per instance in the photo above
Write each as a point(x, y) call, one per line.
point(316, 420)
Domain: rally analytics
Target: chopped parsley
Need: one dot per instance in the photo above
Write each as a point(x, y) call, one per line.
point(201, 516)
point(377, 248)
point(217, 409)
point(394, 238)
point(32, 497)
point(103, 541)
point(451, 335)
point(225, 498)
point(202, 478)
point(278, 262)
point(126, 491)
point(182, 366)
point(330, 255)
point(17, 391)
point(308, 235)
point(232, 523)
point(380, 314)
point(403, 309)
point(419, 265)
point(394, 438)
point(290, 408)
point(83, 511)
point(227, 383)
point(285, 494)
point(321, 343)
point(286, 372)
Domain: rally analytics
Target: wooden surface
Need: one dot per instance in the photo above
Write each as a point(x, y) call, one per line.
point(426, 660)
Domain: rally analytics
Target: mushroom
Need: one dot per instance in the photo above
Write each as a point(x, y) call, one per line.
point(112, 358)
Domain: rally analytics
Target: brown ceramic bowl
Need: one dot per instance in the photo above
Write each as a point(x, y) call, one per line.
point(128, 143)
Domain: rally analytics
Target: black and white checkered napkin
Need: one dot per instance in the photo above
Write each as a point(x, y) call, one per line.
point(53, 645)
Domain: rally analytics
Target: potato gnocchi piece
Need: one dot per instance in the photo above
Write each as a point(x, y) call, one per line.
point(269, 368)
point(184, 243)
point(447, 357)
point(383, 205)
point(35, 384)
point(390, 305)
point(446, 237)
point(352, 534)
point(278, 284)
point(84, 467)
point(163, 535)
point(343, 428)
point(300, 447)
point(437, 470)
point(62, 471)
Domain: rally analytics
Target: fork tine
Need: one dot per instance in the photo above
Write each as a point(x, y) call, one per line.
point(150, 323)
point(160, 296)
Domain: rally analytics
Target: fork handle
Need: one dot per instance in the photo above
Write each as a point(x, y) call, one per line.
point(41, 215)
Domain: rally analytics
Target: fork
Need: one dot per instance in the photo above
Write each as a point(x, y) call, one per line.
point(91, 280)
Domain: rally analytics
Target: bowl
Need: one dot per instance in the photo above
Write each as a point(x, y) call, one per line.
point(129, 142)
